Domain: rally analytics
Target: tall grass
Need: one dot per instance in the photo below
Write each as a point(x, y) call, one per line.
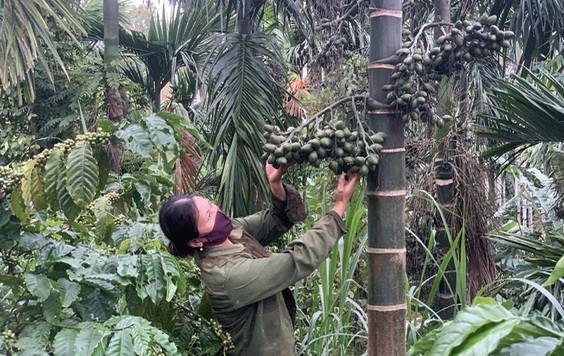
point(420, 312)
point(337, 324)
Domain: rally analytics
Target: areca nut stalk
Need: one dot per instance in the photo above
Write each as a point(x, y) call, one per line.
point(386, 192)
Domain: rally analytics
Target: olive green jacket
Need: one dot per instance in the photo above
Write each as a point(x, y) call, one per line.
point(247, 286)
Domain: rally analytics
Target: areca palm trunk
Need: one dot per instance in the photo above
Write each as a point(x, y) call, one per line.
point(444, 186)
point(244, 17)
point(114, 103)
point(386, 193)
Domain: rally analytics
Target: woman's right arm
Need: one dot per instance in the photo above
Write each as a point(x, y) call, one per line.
point(251, 280)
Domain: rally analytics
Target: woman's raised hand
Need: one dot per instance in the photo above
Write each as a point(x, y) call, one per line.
point(344, 191)
point(274, 176)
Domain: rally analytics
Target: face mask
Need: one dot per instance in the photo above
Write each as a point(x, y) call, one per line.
point(221, 230)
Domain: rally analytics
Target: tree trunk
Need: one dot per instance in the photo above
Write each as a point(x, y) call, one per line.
point(244, 17)
point(115, 107)
point(386, 194)
point(444, 186)
point(114, 102)
point(111, 31)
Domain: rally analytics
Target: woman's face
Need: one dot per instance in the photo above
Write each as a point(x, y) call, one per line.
point(206, 214)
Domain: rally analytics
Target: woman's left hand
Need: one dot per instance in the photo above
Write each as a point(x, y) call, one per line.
point(274, 175)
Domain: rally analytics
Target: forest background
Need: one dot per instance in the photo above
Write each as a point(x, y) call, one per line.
point(108, 108)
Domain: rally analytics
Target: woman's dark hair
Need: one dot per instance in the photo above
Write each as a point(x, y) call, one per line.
point(178, 219)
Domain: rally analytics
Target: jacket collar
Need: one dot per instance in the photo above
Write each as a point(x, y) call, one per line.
point(225, 250)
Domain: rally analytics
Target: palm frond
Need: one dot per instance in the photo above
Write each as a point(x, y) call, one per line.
point(187, 165)
point(525, 112)
point(536, 22)
point(291, 12)
point(23, 31)
point(178, 41)
point(242, 97)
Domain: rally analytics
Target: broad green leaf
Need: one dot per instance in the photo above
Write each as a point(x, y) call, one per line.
point(103, 167)
point(175, 277)
point(19, 208)
point(38, 285)
point(27, 178)
point(161, 134)
point(34, 336)
point(53, 167)
point(82, 174)
point(33, 352)
point(38, 195)
point(141, 339)
point(163, 340)
point(144, 191)
point(11, 281)
point(87, 341)
point(485, 340)
point(424, 344)
point(99, 304)
point(466, 323)
point(60, 249)
point(69, 291)
point(136, 140)
point(544, 323)
point(176, 120)
point(52, 308)
point(67, 205)
point(106, 125)
point(64, 342)
point(112, 278)
point(484, 300)
point(126, 321)
point(104, 219)
point(557, 273)
point(537, 347)
point(121, 344)
point(156, 279)
point(127, 266)
point(101, 284)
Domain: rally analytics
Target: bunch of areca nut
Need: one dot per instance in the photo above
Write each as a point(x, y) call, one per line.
point(342, 148)
point(419, 69)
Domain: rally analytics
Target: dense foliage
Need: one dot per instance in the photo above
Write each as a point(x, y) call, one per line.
point(83, 266)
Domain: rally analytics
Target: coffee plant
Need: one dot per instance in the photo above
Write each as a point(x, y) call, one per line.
point(85, 268)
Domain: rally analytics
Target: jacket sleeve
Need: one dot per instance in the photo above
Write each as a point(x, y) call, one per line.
point(250, 280)
point(269, 225)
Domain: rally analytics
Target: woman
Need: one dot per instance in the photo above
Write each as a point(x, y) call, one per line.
point(247, 286)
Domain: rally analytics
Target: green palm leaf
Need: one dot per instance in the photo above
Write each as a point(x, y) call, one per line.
point(172, 43)
point(22, 30)
point(538, 24)
point(525, 112)
point(242, 96)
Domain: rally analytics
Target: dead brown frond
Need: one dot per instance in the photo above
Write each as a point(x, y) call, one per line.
point(115, 106)
point(298, 91)
point(114, 150)
point(472, 211)
point(187, 164)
